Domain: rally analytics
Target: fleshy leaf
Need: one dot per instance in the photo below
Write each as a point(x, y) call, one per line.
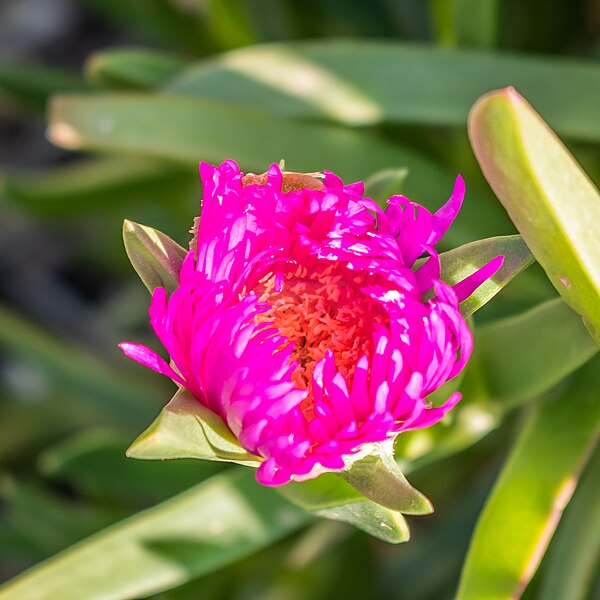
point(187, 429)
point(331, 497)
point(534, 487)
point(574, 556)
point(378, 477)
point(132, 68)
point(462, 262)
point(378, 521)
point(208, 527)
point(384, 184)
point(155, 256)
point(549, 198)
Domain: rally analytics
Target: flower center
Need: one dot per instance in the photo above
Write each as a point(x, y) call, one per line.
point(320, 311)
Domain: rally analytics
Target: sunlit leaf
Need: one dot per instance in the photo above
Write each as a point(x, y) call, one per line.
point(360, 83)
point(378, 477)
point(532, 491)
point(201, 530)
point(187, 429)
point(463, 261)
point(186, 130)
point(574, 556)
point(155, 256)
point(547, 195)
point(515, 360)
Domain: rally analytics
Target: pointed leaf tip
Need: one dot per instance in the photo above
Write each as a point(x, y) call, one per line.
point(156, 258)
point(378, 477)
point(549, 198)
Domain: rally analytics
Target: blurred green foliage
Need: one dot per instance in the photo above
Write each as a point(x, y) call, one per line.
point(356, 87)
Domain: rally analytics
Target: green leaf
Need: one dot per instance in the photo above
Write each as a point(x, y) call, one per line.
point(461, 262)
point(378, 477)
point(93, 463)
point(29, 87)
point(155, 256)
point(384, 184)
point(363, 83)
point(124, 398)
point(187, 429)
point(547, 195)
point(532, 491)
point(186, 130)
point(326, 491)
point(204, 529)
point(132, 68)
point(525, 355)
point(94, 184)
point(378, 521)
point(515, 360)
point(574, 555)
point(465, 23)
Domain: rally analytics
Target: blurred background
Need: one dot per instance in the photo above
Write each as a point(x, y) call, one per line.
point(146, 89)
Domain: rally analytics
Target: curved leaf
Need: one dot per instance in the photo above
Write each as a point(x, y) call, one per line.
point(532, 491)
point(187, 429)
point(186, 130)
point(367, 82)
point(155, 256)
point(574, 556)
point(378, 477)
point(201, 530)
point(547, 195)
point(463, 261)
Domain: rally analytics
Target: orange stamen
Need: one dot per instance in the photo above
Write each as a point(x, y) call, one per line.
point(320, 311)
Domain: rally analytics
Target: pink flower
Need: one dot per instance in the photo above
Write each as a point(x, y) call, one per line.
point(301, 321)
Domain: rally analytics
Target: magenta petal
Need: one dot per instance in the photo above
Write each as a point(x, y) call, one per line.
point(147, 357)
point(463, 289)
point(445, 216)
point(316, 280)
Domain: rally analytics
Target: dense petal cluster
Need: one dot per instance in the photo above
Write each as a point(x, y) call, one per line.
point(303, 322)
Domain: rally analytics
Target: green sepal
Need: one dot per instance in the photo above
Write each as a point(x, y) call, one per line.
point(378, 521)
point(378, 477)
point(155, 256)
point(331, 497)
point(187, 429)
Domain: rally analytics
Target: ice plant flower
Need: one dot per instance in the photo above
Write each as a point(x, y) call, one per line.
point(302, 320)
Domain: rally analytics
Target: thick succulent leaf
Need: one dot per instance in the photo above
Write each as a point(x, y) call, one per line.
point(378, 477)
point(155, 256)
point(526, 355)
point(186, 130)
point(463, 261)
point(326, 491)
point(384, 184)
point(132, 68)
point(330, 497)
point(532, 491)
point(515, 360)
point(187, 429)
point(204, 529)
point(574, 556)
point(367, 82)
point(548, 197)
point(376, 520)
